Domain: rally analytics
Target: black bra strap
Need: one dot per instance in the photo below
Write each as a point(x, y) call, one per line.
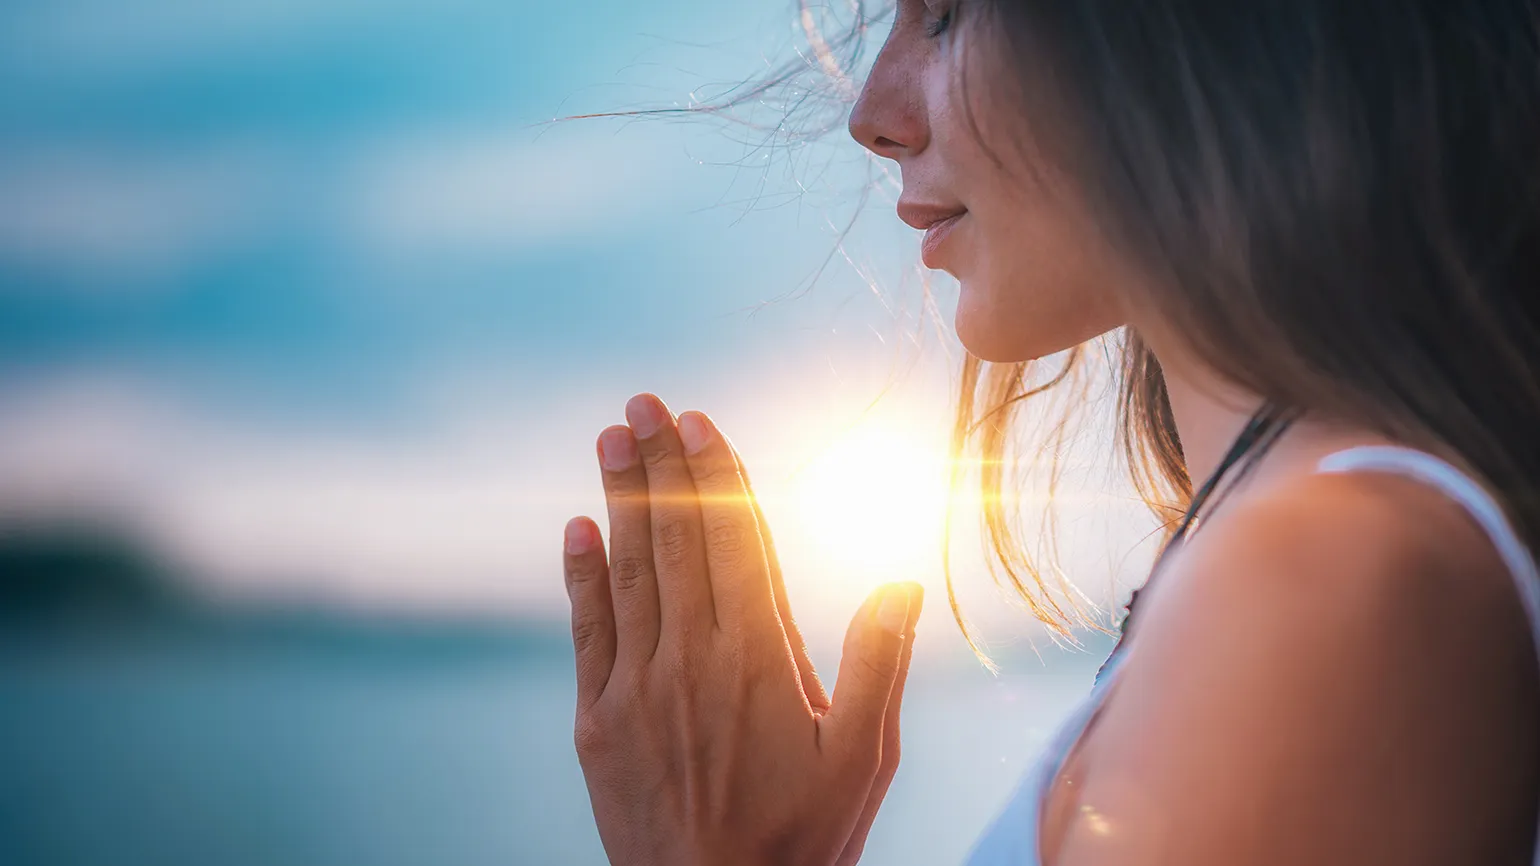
point(1266, 425)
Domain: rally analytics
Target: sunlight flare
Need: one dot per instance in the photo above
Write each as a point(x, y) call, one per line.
point(873, 503)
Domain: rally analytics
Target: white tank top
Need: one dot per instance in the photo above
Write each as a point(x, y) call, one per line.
point(1012, 838)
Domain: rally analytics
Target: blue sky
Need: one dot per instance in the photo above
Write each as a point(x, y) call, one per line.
point(299, 183)
point(308, 296)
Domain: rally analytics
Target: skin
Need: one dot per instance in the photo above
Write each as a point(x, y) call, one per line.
point(1335, 670)
point(703, 732)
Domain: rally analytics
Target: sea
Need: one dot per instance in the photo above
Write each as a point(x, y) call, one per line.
point(306, 743)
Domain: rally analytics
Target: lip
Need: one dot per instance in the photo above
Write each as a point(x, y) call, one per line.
point(935, 236)
point(937, 221)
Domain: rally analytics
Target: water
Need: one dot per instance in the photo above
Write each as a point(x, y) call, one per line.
point(266, 751)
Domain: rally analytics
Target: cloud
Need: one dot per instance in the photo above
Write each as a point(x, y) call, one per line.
point(463, 512)
point(446, 519)
point(112, 216)
point(459, 510)
point(494, 192)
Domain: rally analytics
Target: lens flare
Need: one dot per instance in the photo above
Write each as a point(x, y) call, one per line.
point(873, 503)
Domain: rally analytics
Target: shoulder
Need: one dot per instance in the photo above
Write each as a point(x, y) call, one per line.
point(1341, 655)
point(1364, 544)
point(1373, 567)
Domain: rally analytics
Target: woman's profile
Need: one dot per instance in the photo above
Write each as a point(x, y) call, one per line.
point(1316, 225)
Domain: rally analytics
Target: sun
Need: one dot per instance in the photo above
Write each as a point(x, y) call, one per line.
point(873, 503)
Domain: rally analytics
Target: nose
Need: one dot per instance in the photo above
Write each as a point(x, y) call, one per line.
point(889, 116)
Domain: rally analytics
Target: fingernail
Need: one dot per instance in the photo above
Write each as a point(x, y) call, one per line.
point(617, 450)
point(579, 538)
point(645, 414)
point(894, 610)
point(693, 432)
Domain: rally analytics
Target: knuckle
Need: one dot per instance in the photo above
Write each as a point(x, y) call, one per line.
point(627, 688)
point(673, 538)
point(745, 652)
point(629, 572)
point(590, 737)
point(734, 652)
point(582, 575)
point(747, 667)
point(626, 495)
point(679, 667)
point(874, 669)
point(727, 537)
point(656, 455)
point(689, 634)
point(713, 473)
point(588, 632)
point(684, 670)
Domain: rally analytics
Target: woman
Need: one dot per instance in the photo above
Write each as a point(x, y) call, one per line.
point(1318, 224)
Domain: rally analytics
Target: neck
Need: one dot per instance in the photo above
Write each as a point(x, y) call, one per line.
point(1209, 412)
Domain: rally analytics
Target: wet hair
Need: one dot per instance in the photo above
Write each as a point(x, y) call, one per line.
point(1337, 206)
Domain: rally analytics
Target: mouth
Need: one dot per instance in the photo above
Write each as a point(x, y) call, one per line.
point(937, 222)
point(935, 236)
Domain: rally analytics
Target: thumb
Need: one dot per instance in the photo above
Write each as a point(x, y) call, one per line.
point(868, 669)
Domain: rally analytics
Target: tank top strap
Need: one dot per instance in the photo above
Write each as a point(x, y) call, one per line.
point(1439, 473)
point(1460, 487)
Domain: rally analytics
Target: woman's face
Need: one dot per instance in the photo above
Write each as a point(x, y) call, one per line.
point(1036, 277)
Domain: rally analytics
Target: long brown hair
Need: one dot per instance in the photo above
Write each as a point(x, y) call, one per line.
point(1338, 204)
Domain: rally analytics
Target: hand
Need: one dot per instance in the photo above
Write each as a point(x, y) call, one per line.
point(704, 734)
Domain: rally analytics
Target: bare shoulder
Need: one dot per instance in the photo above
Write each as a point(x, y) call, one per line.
point(1375, 547)
point(1336, 672)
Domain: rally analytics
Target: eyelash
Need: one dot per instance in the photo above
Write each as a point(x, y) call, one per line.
point(942, 24)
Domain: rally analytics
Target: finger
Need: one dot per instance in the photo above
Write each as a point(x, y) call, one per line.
point(869, 668)
point(678, 542)
point(633, 584)
point(811, 686)
point(593, 619)
point(735, 554)
point(891, 749)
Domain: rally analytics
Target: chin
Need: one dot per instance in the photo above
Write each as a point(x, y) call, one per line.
point(986, 335)
point(1012, 333)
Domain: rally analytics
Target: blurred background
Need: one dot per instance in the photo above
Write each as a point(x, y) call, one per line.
point(309, 319)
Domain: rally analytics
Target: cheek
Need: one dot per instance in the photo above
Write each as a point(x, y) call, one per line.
point(1035, 276)
point(1031, 289)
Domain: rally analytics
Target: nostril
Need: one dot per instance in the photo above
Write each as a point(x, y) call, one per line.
point(885, 143)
